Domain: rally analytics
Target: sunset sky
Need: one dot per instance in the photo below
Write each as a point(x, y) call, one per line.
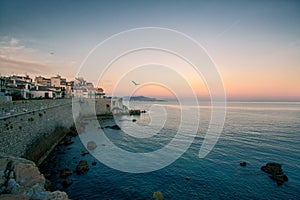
point(254, 44)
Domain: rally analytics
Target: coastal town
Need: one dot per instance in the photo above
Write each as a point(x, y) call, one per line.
point(36, 116)
point(21, 87)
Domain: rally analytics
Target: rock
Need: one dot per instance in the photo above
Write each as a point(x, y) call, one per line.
point(65, 172)
point(48, 185)
point(115, 127)
point(158, 195)
point(25, 182)
point(72, 132)
point(243, 164)
point(12, 186)
point(279, 179)
point(11, 174)
point(133, 120)
point(2, 180)
point(285, 178)
point(3, 164)
point(2, 189)
point(28, 175)
point(91, 145)
point(272, 168)
point(82, 167)
point(57, 195)
point(94, 163)
point(67, 141)
point(276, 171)
point(134, 112)
point(67, 183)
point(187, 178)
point(14, 197)
point(83, 153)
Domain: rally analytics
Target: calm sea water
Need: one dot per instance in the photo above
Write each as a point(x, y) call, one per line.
point(253, 132)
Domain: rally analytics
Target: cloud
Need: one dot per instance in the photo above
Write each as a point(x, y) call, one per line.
point(11, 64)
point(8, 50)
point(17, 58)
point(14, 41)
point(10, 46)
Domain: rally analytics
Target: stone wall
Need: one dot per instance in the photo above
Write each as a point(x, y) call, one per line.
point(18, 107)
point(31, 128)
point(91, 107)
point(95, 107)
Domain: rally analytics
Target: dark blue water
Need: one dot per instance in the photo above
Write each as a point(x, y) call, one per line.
point(254, 132)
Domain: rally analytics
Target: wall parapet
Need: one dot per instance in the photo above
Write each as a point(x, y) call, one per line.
point(13, 108)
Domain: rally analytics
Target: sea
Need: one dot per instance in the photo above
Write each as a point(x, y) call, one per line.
point(253, 132)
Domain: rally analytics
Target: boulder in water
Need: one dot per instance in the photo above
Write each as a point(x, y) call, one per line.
point(72, 132)
point(67, 141)
point(67, 183)
point(158, 195)
point(276, 171)
point(91, 145)
point(82, 167)
point(272, 168)
point(243, 164)
point(83, 153)
point(279, 179)
point(115, 127)
point(65, 173)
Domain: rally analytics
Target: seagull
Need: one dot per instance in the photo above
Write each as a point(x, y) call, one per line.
point(135, 83)
point(51, 53)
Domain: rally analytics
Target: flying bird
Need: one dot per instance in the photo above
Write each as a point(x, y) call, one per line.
point(51, 53)
point(135, 83)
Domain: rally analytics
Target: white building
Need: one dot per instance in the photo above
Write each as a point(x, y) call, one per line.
point(95, 93)
point(42, 92)
point(80, 92)
point(92, 93)
point(58, 81)
point(42, 81)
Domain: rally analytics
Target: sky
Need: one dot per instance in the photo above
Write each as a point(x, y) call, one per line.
point(255, 45)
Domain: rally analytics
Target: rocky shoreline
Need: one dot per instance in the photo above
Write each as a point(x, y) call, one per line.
point(21, 179)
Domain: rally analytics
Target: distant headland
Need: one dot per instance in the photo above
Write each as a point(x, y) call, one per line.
point(142, 98)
